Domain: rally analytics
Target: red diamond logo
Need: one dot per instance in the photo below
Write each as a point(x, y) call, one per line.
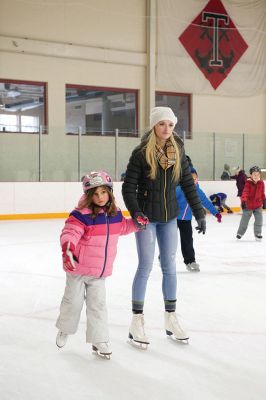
point(213, 42)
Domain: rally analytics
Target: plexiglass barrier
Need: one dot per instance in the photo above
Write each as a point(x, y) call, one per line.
point(52, 155)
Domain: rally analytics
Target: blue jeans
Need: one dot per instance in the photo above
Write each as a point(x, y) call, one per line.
point(166, 235)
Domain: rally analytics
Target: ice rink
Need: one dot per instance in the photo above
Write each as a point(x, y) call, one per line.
point(223, 308)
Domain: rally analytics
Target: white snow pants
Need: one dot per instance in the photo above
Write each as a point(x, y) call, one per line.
point(80, 288)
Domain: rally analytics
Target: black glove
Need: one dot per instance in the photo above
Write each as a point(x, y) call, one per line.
point(264, 204)
point(201, 225)
point(140, 220)
point(243, 205)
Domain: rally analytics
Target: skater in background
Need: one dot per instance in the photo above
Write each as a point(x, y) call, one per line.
point(184, 222)
point(240, 177)
point(122, 177)
point(155, 167)
point(252, 202)
point(226, 175)
point(219, 201)
point(89, 244)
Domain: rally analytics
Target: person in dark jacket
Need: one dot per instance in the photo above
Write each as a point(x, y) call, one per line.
point(240, 178)
point(155, 168)
point(226, 175)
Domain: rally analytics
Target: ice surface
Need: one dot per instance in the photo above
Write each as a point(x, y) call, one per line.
point(222, 308)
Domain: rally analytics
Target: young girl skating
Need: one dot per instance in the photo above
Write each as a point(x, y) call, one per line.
point(89, 244)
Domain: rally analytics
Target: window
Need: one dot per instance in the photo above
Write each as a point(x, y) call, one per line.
point(180, 104)
point(100, 111)
point(8, 123)
point(22, 106)
point(29, 123)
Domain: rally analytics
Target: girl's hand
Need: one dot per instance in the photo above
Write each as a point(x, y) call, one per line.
point(68, 258)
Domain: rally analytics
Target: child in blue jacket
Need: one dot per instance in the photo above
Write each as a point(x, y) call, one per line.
point(184, 222)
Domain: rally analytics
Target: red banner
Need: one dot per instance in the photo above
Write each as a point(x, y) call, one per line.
point(213, 42)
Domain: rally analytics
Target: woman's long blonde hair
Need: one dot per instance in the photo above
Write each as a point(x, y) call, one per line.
point(151, 158)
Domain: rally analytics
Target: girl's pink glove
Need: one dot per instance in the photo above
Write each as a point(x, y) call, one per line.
point(68, 258)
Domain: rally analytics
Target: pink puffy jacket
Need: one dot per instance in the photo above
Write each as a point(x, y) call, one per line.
point(95, 240)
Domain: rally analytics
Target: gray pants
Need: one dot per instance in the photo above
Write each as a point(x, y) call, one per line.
point(245, 220)
point(80, 288)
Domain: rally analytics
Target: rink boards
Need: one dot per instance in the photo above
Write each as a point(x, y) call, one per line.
point(30, 200)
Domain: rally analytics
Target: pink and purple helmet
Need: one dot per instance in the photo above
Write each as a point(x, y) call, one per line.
point(95, 179)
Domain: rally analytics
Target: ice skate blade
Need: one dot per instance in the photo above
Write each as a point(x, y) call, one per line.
point(59, 339)
point(189, 269)
point(171, 336)
point(137, 343)
point(104, 356)
point(59, 347)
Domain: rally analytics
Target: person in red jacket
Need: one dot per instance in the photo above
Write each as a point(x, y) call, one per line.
point(252, 202)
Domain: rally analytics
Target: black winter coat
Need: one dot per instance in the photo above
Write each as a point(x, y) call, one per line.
point(157, 198)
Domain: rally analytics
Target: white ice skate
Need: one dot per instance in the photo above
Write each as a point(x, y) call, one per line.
point(61, 339)
point(193, 267)
point(137, 334)
point(258, 238)
point(102, 349)
point(172, 327)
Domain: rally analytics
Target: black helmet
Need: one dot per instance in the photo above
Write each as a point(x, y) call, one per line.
point(254, 169)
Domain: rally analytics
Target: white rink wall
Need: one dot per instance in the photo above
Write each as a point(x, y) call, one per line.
point(61, 197)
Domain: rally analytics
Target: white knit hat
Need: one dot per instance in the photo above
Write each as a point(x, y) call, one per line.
point(162, 114)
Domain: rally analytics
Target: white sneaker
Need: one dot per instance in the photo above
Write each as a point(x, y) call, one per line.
point(102, 348)
point(61, 339)
point(193, 267)
point(136, 329)
point(172, 326)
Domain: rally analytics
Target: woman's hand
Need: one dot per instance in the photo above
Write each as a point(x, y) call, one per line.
point(140, 220)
